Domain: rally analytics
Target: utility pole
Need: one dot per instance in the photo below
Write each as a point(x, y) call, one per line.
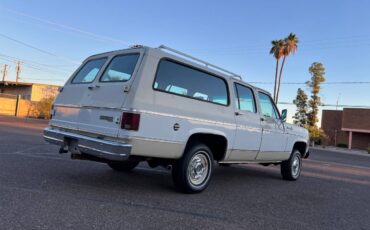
point(5, 71)
point(17, 70)
point(336, 107)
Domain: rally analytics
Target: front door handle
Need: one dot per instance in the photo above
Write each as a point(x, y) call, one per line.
point(262, 119)
point(91, 87)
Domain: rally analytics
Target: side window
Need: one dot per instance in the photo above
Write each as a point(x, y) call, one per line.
point(89, 71)
point(120, 68)
point(185, 81)
point(267, 106)
point(245, 98)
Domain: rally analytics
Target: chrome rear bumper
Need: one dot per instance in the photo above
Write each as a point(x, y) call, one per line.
point(80, 144)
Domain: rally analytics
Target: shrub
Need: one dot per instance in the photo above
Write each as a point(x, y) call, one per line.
point(316, 134)
point(42, 108)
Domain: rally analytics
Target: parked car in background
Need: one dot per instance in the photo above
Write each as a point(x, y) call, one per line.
point(170, 109)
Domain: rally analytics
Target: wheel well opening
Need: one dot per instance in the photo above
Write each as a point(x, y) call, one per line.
point(217, 143)
point(301, 147)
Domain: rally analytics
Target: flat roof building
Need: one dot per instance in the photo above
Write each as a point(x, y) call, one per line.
point(28, 91)
point(350, 127)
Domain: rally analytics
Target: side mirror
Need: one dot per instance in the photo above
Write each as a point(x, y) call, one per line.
point(284, 113)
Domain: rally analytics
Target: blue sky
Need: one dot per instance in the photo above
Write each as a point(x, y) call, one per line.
point(235, 35)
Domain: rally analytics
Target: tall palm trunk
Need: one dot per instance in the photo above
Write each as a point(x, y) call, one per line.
point(278, 89)
point(276, 75)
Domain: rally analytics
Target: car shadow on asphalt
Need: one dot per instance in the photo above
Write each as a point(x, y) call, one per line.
point(159, 180)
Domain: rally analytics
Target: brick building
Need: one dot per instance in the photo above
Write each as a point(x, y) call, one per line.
point(350, 127)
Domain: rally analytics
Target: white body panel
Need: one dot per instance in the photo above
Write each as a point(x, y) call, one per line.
point(248, 137)
point(97, 112)
point(274, 140)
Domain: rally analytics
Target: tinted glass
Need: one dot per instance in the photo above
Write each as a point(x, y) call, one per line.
point(89, 71)
point(267, 106)
point(182, 80)
point(120, 68)
point(245, 98)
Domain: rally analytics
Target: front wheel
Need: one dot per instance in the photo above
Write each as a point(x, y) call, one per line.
point(291, 168)
point(192, 172)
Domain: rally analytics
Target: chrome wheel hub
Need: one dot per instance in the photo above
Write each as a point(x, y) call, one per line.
point(198, 168)
point(296, 166)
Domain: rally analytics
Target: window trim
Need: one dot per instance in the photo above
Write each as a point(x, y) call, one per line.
point(237, 97)
point(110, 61)
point(273, 104)
point(194, 68)
point(97, 74)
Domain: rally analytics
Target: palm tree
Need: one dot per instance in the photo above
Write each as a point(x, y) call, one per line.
point(277, 51)
point(290, 47)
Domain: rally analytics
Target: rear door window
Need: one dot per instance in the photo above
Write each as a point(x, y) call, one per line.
point(245, 98)
point(120, 68)
point(89, 71)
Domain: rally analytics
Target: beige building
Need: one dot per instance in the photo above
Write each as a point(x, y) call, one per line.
point(29, 91)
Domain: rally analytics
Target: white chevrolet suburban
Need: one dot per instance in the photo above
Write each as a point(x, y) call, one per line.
point(170, 109)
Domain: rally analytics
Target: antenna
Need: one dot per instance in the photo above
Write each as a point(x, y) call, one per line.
point(207, 64)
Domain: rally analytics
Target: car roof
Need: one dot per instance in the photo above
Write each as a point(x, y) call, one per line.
point(161, 52)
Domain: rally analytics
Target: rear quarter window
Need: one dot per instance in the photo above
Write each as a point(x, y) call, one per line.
point(179, 79)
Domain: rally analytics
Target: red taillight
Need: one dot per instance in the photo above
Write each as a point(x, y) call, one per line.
point(130, 121)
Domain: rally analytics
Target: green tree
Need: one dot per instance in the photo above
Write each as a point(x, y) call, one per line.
point(290, 47)
point(317, 72)
point(300, 117)
point(277, 50)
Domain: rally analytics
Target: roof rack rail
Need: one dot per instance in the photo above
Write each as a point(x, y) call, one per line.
point(200, 61)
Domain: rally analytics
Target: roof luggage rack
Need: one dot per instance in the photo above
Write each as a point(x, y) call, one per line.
point(200, 61)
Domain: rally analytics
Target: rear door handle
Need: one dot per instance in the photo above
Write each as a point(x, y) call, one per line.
point(262, 119)
point(238, 114)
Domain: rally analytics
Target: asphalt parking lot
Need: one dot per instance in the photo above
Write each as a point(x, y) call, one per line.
point(40, 189)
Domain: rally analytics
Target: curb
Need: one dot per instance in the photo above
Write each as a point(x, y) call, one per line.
point(344, 151)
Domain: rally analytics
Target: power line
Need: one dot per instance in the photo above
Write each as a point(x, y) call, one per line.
point(37, 63)
point(304, 83)
point(40, 68)
point(331, 105)
point(70, 28)
point(38, 49)
point(43, 79)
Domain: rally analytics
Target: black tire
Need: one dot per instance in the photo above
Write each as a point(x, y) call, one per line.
point(291, 168)
point(124, 166)
point(184, 178)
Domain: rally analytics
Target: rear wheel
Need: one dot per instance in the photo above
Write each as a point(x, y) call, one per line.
point(124, 166)
point(291, 168)
point(192, 172)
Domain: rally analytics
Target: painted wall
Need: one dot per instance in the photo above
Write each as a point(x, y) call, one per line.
point(7, 106)
point(43, 91)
